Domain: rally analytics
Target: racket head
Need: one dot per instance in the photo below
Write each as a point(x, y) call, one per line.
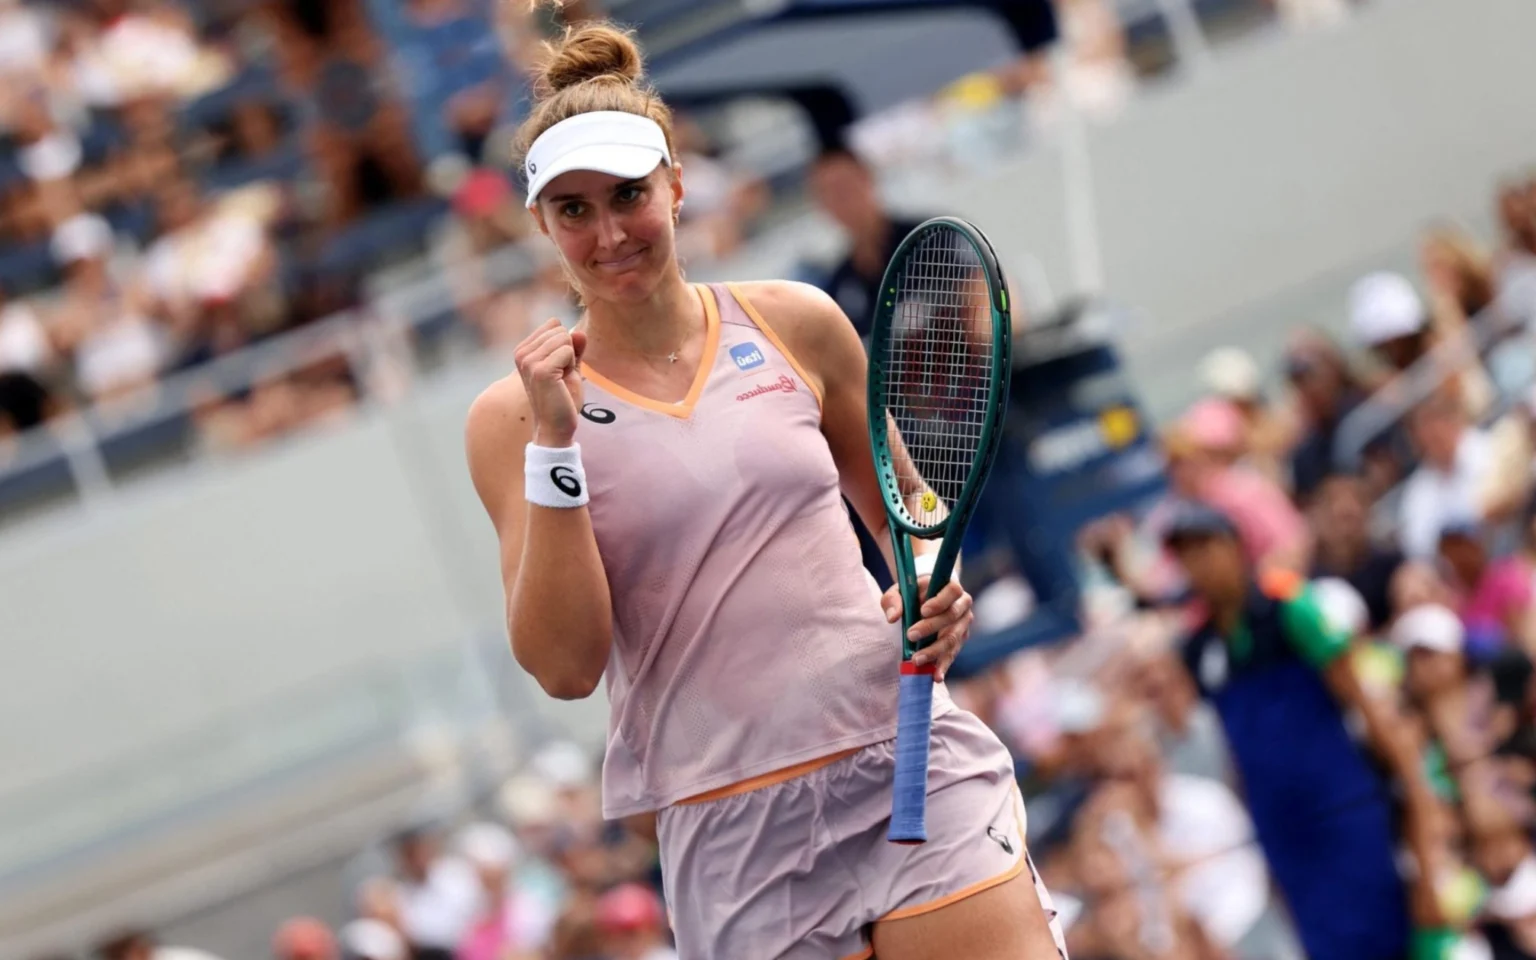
point(939, 364)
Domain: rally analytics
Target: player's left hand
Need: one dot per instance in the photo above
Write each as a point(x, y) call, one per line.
point(946, 618)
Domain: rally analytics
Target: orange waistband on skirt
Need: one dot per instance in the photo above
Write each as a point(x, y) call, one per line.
point(768, 779)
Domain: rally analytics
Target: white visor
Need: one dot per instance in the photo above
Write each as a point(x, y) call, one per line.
point(619, 144)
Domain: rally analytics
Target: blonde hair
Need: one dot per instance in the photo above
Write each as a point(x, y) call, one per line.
point(594, 66)
point(1473, 265)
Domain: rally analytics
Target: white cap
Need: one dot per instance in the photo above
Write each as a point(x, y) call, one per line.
point(487, 845)
point(82, 237)
point(527, 801)
point(1516, 899)
point(1231, 373)
point(1342, 605)
point(1079, 707)
point(1382, 307)
point(1429, 626)
point(373, 939)
point(563, 765)
point(619, 144)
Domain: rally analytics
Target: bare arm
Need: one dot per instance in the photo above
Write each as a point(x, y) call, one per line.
point(559, 613)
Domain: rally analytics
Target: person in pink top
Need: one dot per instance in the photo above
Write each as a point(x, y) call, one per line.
point(1495, 594)
point(667, 480)
point(1203, 449)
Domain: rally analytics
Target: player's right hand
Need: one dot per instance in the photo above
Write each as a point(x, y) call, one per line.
point(549, 362)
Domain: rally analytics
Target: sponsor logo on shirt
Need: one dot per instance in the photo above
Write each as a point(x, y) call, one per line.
point(747, 356)
point(782, 385)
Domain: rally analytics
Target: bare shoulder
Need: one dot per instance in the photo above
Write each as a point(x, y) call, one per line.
point(497, 429)
point(790, 304)
point(808, 320)
point(500, 410)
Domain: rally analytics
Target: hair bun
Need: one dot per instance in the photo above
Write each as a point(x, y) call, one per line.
point(592, 52)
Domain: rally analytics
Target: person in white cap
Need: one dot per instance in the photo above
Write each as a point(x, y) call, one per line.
point(667, 484)
point(1231, 374)
point(1387, 317)
point(1441, 690)
point(372, 940)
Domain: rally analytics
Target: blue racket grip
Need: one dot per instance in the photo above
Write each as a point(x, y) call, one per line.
point(914, 725)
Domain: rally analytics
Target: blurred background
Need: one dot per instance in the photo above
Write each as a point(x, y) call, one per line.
point(258, 256)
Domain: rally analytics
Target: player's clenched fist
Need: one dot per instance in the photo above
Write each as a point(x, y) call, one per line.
point(549, 361)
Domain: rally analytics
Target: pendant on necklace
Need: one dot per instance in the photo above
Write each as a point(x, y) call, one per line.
point(672, 357)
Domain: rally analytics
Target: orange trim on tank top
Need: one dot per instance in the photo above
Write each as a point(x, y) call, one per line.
point(773, 338)
point(682, 409)
point(974, 888)
point(768, 779)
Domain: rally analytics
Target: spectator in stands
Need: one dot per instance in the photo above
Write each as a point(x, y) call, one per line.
point(1340, 518)
point(367, 939)
point(205, 274)
point(1388, 318)
point(440, 896)
point(101, 321)
point(1454, 705)
point(24, 404)
point(25, 344)
point(1448, 485)
point(844, 188)
point(26, 42)
point(512, 924)
point(1200, 828)
point(146, 51)
point(633, 924)
point(722, 203)
point(1282, 682)
point(1495, 595)
point(1459, 275)
point(142, 945)
point(1136, 913)
point(465, 77)
point(1232, 375)
point(1201, 468)
point(304, 938)
point(1517, 220)
point(1325, 391)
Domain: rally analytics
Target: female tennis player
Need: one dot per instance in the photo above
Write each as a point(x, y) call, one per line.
point(666, 481)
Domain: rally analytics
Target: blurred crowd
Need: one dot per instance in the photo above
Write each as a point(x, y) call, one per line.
point(180, 180)
point(1421, 544)
point(1420, 538)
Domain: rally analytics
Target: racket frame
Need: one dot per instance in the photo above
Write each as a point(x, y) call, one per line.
point(914, 708)
point(952, 528)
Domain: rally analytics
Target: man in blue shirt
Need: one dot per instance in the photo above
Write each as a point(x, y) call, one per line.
point(1280, 679)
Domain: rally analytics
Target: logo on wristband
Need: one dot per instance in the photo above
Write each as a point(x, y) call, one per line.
point(565, 478)
point(597, 414)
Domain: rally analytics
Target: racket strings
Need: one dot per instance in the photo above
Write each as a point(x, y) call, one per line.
point(940, 367)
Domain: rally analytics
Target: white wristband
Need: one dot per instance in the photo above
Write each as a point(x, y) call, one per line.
point(924, 563)
point(553, 477)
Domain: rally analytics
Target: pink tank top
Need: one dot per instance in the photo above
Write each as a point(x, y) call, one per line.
point(747, 637)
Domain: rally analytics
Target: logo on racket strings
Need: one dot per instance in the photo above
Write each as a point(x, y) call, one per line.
point(747, 356)
point(929, 501)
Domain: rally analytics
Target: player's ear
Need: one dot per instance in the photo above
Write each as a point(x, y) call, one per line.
point(676, 180)
point(538, 218)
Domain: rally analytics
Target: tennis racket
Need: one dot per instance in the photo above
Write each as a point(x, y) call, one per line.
point(940, 357)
